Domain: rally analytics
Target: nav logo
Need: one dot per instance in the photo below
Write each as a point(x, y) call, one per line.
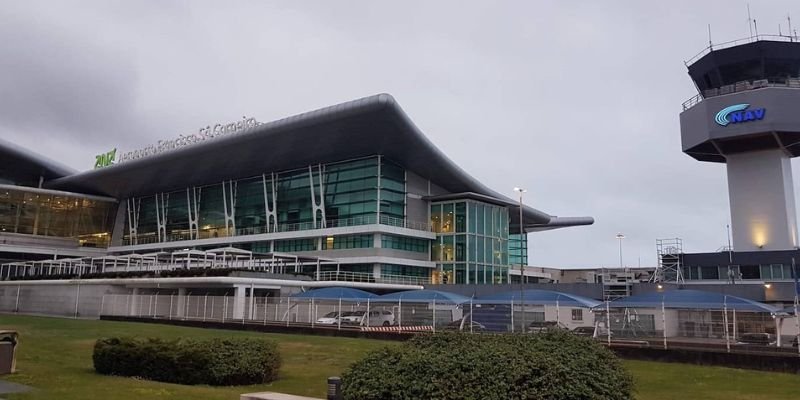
point(105, 159)
point(739, 113)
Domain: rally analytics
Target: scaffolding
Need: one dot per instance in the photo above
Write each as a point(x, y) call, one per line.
point(670, 255)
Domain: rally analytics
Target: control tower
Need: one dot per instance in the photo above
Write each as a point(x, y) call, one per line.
point(747, 115)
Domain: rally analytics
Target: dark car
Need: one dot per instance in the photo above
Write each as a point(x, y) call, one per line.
point(463, 325)
point(759, 339)
point(541, 326)
point(584, 331)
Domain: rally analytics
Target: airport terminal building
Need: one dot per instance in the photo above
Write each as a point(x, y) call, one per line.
point(349, 192)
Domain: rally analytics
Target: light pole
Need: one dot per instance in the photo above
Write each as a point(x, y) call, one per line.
point(521, 263)
point(620, 237)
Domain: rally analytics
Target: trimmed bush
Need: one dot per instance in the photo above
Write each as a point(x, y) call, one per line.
point(549, 365)
point(240, 361)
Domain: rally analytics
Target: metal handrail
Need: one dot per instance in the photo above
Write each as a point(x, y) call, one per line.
point(741, 86)
point(755, 38)
point(349, 276)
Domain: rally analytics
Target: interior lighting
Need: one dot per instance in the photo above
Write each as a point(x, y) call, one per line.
point(767, 285)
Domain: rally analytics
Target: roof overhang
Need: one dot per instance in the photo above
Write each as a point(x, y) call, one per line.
point(365, 127)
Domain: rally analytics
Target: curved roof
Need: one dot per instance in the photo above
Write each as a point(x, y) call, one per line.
point(423, 296)
point(368, 126)
point(336, 293)
point(24, 167)
point(538, 297)
point(691, 299)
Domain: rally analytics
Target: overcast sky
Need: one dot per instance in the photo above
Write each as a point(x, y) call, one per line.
point(576, 101)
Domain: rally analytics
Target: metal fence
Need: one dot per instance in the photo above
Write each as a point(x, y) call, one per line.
point(366, 314)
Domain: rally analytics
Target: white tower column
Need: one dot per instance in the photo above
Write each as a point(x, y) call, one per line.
point(760, 187)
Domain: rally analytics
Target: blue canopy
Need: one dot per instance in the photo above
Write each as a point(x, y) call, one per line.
point(538, 297)
point(789, 310)
point(336, 293)
point(691, 299)
point(423, 296)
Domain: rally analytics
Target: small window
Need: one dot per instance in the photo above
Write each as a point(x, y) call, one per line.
point(577, 314)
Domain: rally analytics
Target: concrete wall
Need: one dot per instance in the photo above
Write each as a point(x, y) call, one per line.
point(416, 187)
point(564, 316)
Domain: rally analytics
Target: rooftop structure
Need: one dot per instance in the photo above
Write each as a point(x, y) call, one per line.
point(356, 185)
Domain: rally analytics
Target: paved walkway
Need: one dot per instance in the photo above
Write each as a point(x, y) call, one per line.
point(11, 387)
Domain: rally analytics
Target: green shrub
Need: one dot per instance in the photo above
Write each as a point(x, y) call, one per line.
point(187, 361)
point(551, 365)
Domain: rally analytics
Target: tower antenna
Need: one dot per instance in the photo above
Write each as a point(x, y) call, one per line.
point(709, 37)
point(789, 20)
point(755, 26)
point(749, 21)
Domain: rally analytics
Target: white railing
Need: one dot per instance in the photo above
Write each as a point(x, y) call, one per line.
point(741, 86)
point(296, 227)
point(368, 277)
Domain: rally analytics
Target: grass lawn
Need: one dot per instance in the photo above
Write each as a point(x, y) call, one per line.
point(55, 356)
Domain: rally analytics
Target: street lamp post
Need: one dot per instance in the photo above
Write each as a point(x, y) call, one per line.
point(521, 263)
point(620, 237)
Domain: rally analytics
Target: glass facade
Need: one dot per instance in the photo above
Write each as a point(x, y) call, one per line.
point(357, 192)
point(40, 213)
point(759, 272)
point(404, 243)
point(472, 244)
point(404, 270)
point(347, 242)
point(518, 249)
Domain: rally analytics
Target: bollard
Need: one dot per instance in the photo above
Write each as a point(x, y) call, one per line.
point(334, 388)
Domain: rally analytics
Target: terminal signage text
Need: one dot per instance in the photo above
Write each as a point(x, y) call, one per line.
point(204, 134)
point(739, 113)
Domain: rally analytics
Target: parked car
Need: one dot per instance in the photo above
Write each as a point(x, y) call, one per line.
point(589, 331)
point(541, 326)
point(352, 317)
point(376, 318)
point(761, 339)
point(462, 325)
point(331, 318)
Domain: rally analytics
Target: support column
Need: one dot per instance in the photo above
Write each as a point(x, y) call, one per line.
point(181, 303)
point(162, 200)
point(133, 218)
point(271, 202)
point(193, 202)
point(317, 206)
point(132, 308)
point(229, 206)
point(762, 201)
point(376, 271)
point(239, 301)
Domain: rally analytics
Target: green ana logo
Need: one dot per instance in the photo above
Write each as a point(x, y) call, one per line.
point(105, 159)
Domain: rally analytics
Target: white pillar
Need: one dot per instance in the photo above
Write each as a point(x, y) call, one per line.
point(181, 303)
point(132, 306)
point(376, 271)
point(252, 301)
point(239, 301)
